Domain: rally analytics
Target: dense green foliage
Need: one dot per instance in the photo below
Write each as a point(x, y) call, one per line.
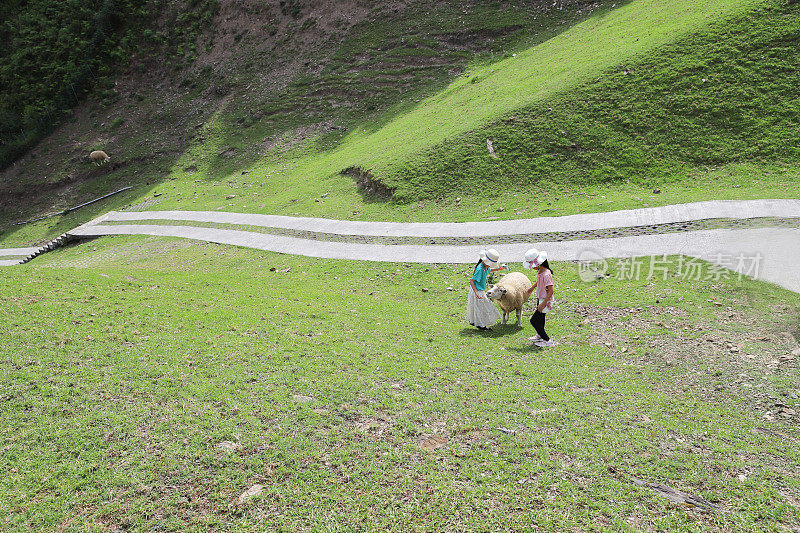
point(725, 95)
point(60, 51)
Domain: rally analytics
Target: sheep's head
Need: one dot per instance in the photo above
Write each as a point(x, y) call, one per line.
point(495, 292)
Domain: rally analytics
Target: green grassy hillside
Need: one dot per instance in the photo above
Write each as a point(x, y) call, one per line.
point(146, 383)
point(587, 109)
point(726, 94)
point(406, 152)
point(566, 61)
point(266, 79)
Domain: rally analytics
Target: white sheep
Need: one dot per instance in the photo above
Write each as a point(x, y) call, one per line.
point(99, 157)
point(510, 293)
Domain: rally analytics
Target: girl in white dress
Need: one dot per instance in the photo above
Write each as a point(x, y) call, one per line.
point(481, 311)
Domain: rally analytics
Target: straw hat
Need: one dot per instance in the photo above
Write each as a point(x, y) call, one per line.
point(490, 257)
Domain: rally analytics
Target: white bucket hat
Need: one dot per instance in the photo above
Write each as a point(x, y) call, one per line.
point(530, 255)
point(490, 256)
point(534, 258)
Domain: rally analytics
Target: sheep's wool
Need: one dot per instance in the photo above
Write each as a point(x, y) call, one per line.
point(482, 312)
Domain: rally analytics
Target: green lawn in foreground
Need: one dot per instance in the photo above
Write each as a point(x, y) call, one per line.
point(362, 402)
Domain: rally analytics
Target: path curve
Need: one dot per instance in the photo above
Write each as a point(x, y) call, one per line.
point(777, 247)
point(735, 209)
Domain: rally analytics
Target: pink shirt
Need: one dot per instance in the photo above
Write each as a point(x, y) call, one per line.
point(543, 279)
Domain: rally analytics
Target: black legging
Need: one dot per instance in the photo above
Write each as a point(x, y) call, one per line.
point(537, 321)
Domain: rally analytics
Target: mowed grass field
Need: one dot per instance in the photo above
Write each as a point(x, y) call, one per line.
point(358, 401)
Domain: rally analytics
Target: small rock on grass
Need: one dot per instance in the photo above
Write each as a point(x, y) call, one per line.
point(229, 446)
point(250, 493)
point(303, 399)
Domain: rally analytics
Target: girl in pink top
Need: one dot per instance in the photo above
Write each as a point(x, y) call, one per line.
point(544, 294)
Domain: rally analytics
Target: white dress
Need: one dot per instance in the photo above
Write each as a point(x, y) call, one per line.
point(481, 313)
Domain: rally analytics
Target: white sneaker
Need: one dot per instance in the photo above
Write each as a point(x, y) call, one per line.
point(545, 344)
point(535, 338)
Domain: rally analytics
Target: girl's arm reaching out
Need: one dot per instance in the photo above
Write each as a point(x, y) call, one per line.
point(527, 294)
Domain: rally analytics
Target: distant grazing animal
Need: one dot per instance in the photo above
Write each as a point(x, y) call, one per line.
point(99, 157)
point(510, 293)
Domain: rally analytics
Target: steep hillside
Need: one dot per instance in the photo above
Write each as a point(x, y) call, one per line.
point(260, 79)
point(725, 95)
point(278, 108)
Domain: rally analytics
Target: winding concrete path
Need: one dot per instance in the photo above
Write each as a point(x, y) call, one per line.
point(613, 219)
point(767, 253)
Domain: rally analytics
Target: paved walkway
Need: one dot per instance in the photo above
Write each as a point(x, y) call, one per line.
point(776, 249)
point(614, 219)
point(21, 253)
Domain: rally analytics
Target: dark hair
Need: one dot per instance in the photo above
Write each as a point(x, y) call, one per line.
point(547, 266)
